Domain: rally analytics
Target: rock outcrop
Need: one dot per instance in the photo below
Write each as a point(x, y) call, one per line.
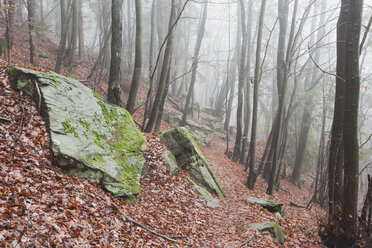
point(90, 138)
point(171, 163)
point(202, 134)
point(189, 157)
point(271, 206)
point(273, 228)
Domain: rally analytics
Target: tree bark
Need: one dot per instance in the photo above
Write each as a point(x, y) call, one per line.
point(195, 62)
point(137, 60)
point(114, 90)
point(74, 34)
point(336, 150)
point(164, 70)
point(350, 132)
point(252, 147)
point(239, 112)
point(65, 16)
point(31, 20)
point(81, 29)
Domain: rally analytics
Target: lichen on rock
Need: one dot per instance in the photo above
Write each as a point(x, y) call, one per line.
point(91, 138)
point(274, 228)
point(189, 157)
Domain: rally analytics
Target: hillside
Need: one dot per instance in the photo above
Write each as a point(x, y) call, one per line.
point(40, 206)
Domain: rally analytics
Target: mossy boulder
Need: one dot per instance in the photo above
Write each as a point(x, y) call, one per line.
point(271, 206)
point(202, 134)
point(189, 157)
point(274, 228)
point(90, 138)
point(171, 163)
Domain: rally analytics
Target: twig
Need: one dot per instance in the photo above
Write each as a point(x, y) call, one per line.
point(370, 136)
point(146, 228)
point(370, 163)
point(286, 191)
point(324, 71)
point(32, 224)
point(5, 119)
point(154, 94)
point(38, 93)
point(297, 205)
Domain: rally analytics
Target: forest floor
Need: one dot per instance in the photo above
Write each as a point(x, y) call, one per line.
point(40, 206)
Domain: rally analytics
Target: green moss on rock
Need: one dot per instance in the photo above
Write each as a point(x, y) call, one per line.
point(189, 157)
point(88, 135)
point(274, 228)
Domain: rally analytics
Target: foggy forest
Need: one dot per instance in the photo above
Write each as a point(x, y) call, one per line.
point(185, 123)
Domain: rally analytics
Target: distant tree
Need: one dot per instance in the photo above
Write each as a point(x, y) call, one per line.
point(10, 10)
point(74, 34)
point(65, 16)
point(164, 69)
point(114, 90)
point(81, 28)
point(247, 93)
point(137, 60)
point(31, 28)
point(252, 147)
point(310, 80)
point(242, 74)
point(199, 40)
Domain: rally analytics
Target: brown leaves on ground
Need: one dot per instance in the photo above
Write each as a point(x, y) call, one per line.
point(42, 206)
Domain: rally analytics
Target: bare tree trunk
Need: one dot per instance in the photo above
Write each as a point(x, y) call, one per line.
point(320, 161)
point(114, 90)
point(137, 60)
point(9, 7)
point(350, 133)
point(81, 30)
point(164, 70)
point(247, 100)
point(74, 34)
point(195, 62)
point(308, 107)
point(239, 112)
point(65, 16)
point(31, 29)
point(230, 81)
point(252, 147)
point(162, 102)
point(151, 61)
point(336, 150)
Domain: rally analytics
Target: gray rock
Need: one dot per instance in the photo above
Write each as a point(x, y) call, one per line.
point(272, 206)
point(273, 228)
point(171, 163)
point(189, 157)
point(202, 134)
point(211, 201)
point(90, 138)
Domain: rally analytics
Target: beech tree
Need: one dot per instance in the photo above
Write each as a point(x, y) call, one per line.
point(31, 20)
point(199, 40)
point(137, 60)
point(350, 126)
point(252, 146)
point(114, 89)
point(164, 70)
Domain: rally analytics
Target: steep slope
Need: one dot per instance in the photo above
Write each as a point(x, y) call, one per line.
point(42, 206)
